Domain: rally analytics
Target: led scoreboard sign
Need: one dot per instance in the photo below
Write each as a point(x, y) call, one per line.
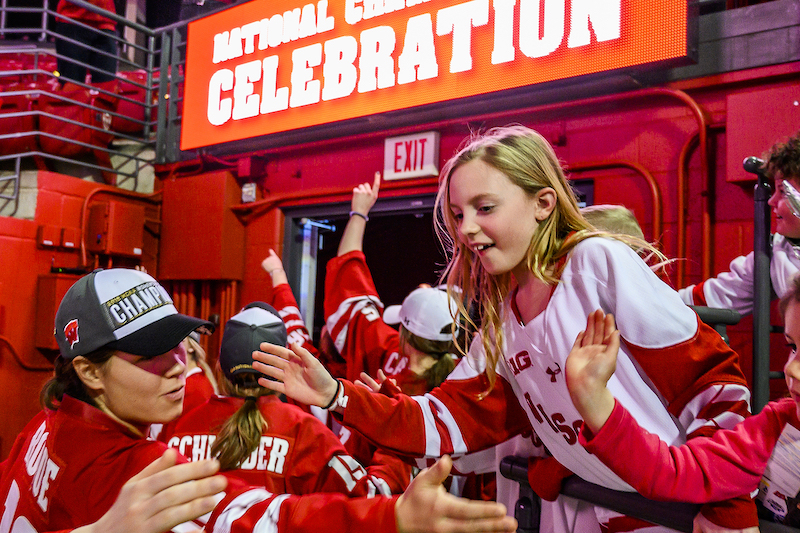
point(268, 66)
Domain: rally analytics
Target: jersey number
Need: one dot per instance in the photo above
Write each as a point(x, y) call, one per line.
point(21, 524)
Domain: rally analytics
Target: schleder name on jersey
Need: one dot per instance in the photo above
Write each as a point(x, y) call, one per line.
point(269, 456)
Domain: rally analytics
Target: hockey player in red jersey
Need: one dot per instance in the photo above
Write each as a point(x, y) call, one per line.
point(264, 441)
point(121, 368)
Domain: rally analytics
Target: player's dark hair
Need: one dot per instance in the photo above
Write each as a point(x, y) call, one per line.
point(441, 351)
point(783, 158)
point(66, 381)
point(241, 434)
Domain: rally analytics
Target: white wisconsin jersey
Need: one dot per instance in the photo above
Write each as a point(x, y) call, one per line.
point(600, 274)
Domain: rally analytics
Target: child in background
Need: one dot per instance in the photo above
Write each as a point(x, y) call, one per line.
point(535, 269)
point(729, 463)
point(734, 289)
point(354, 313)
point(616, 219)
point(264, 441)
point(121, 367)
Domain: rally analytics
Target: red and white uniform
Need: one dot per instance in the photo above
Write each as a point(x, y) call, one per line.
point(734, 289)
point(354, 316)
point(726, 465)
point(284, 302)
point(67, 466)
point(298, 454)
point(674, 374)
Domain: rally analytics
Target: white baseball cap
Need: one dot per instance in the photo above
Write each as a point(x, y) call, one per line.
point(426, 312)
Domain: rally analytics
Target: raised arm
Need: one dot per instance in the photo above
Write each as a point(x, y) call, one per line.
point(364, 197)
point(273, 266)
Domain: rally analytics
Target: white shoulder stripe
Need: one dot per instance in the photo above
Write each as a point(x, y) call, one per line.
point(433, 442)
point(238, 507)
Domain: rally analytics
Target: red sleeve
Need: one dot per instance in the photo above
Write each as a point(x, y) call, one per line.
point(385, 469)
point(707, 391)
point(320, 463)
point(353, 315)
point(704, 469)
point(698, 296)
point(255, 510)
point(284, 301)
point(451, 419)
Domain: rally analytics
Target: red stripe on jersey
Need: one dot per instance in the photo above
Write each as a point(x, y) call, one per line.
point(681, 371)
point(698, 297)
point(620, 524)
point(441, 428)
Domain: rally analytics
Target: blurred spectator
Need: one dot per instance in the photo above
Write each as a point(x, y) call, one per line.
point(86, 41)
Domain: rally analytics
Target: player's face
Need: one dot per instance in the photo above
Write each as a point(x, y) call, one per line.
point(495, 218)
point(792, 368)
point(786, 223)
point(143, 391)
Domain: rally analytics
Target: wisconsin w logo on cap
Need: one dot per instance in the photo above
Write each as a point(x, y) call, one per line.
point(71, 332)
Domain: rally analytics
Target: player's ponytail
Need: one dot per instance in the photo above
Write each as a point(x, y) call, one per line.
point(241, 434)
point(441, 351)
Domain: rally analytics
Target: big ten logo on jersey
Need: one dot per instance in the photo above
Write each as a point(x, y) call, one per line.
point(556, 421)
point(519, 362)
point(269, 456)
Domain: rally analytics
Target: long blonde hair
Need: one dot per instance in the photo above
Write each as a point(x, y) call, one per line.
point(528, 160)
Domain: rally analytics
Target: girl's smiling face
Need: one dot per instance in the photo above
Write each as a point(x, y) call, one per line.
point(792, 366)
point(495, 218)
point(786, 223)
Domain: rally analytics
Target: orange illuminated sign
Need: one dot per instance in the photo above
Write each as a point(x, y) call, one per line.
point(268, 66)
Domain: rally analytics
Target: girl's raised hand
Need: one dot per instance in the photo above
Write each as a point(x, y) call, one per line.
point(298, 374)
point(365, 195)
point(590, 365)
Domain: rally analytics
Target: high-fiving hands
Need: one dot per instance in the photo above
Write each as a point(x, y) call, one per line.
point(590, 365)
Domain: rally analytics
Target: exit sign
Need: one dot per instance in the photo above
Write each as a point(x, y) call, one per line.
point(411, 156)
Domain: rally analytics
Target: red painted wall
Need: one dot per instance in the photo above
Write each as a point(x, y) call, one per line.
point(646, 131)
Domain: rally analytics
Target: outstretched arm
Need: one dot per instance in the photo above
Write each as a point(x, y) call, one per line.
point(364, 197)
point(590, 365)
point(162, 496)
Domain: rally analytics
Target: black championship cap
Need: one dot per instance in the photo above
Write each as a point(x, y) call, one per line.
point(122, 309)
point(258, 322)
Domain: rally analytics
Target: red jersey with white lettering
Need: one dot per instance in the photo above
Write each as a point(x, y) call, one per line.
point(67, 466)
point(674, 374)
point(354, 317)
point(297, 454)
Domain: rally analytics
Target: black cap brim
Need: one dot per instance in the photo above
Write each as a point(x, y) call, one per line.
point(161, 336)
